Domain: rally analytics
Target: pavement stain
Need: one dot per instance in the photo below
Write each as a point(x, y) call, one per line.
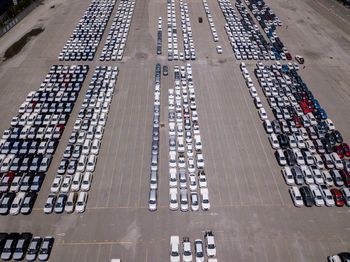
point(17, 46)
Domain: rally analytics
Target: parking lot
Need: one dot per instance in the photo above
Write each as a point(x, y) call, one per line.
point(251, 214)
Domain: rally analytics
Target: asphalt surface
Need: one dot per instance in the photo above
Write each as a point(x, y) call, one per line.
point(251, 215)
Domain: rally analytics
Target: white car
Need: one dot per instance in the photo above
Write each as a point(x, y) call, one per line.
point(274, 141)
point(280, 157)
point(317, 196)
point(95, 148)
point(202, 180)
point(200, 161)
point(346, 195)
point(205, 198)
point(172, 159)
point(337, 161)
point(318, 161)
point(296, 196)
point(307, 174)
point(50, 203)
point(316, 173)
point(66, 184)
point(56, 184)
point(298, 156)
point(86, 147)
point(327, 195)
point(86, 182)
point(173, 177)
point(76, 182)
point(173, 203)
point(262, 114)
point(192, 182)
point(327, 178)
point(99, 132)
point(210, 244)
point(17, 203)
point(174, 249)
point(82, 163)
point(81, 202)
point(90, 166)
point(288, 176)
point(330, 124)
point(187, 250)
point(310, 146)
point(219, 49)
point(16, 183)
point(6, 163)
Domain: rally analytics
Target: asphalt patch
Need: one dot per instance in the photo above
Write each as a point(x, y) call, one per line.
point(16, 47)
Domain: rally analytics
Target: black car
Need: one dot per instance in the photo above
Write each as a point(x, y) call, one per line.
point(327, 145)
point(290, 157)
point(283, 141)
point(165, 70)
point(22, 246)
point(9, 246)
point(307, 196)
point(3, 238)
point(6, 203)
point(331, 139)
point(337, 136)
point(344, 256)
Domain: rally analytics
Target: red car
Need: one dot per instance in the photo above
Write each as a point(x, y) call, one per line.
point(297, 121)
point(304, 107)
point(339, 151)
point(6, 182)
point(338, 198)
point(310, 106)
point(346, 177)
point(346, 149)
point(289, 57)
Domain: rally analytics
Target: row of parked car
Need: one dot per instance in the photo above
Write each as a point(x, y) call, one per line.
point(308, 156)
point(211, 21)
point(244, 35)
point(117, 36)
point(18, 246)
point(83, 42)
point(202, 252)
point(159, 36)
point(173, 51)
point(27, 147)
point(75, 172)
point(189, 51)
point(268, 21)
point(185, 146)
point(152, 205)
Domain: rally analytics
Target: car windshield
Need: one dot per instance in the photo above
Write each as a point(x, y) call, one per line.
point(187, 253)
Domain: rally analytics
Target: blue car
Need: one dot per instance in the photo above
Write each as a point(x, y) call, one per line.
point(316, 104)
point(323, 113)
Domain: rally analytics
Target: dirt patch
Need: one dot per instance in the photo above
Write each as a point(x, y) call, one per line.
point(53, 6)
point(16, 47)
